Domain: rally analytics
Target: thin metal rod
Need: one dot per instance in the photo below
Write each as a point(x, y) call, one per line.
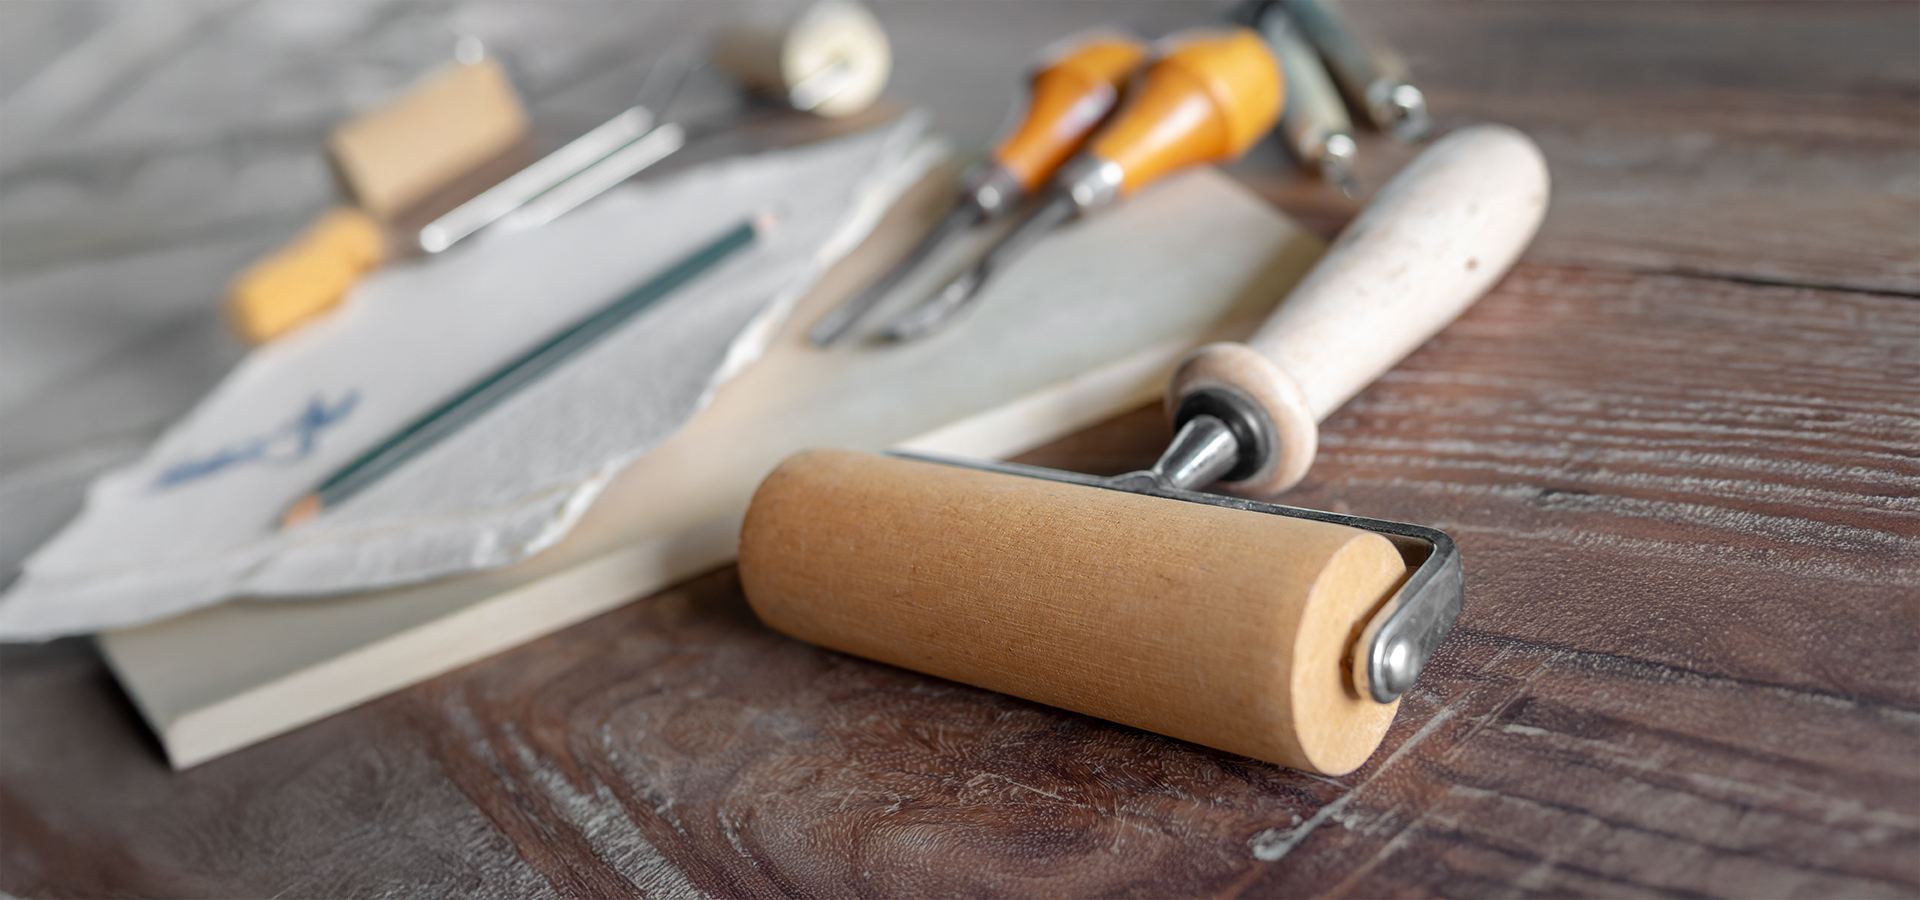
point(594, 180)
point(657, 92)
point(535, 179)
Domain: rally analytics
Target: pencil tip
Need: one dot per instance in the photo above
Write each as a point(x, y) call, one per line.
point(306, 508)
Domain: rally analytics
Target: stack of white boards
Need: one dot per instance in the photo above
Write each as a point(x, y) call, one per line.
point(1087, 326)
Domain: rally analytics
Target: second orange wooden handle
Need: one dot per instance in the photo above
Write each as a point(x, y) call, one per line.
point(1208, 99)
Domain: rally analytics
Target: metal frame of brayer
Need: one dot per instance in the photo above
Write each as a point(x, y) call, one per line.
point(1400, 637)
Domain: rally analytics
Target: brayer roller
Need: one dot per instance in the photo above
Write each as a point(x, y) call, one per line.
point(1282, 634)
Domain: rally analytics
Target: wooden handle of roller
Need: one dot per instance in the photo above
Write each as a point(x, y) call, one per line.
point(1432, 242)
point(1218, 626)
point(763, 56)
point(1208, 98)
point(1070, 98)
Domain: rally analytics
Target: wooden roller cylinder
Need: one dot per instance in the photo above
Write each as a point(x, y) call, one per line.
point(1227, 628)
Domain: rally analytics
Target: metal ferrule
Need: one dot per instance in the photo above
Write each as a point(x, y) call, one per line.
point(1337, 154)
point(1399, 109)
point(992, 189)
point(1203, 451)
point(1091, 182)
point(1255, 435)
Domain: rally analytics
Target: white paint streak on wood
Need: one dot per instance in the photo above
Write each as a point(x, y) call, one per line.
point(1271, 845)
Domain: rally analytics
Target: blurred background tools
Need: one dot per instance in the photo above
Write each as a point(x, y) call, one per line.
point(1281, 634)
point(1069, 97)
point(1208, 97)
point(832, 60)
point(1373, 78)
point(1314, 123)
point(606, 146)
point(399, 161)
point(386, 161)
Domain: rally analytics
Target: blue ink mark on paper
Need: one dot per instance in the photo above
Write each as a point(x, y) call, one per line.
point(289, 443)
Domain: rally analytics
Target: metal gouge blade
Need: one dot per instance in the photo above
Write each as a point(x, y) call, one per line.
point(1070, 96)
point(934, 314)
point(821, 86)
point(842, 318)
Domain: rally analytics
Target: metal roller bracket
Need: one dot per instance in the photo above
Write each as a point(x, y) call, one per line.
point(1400, 637)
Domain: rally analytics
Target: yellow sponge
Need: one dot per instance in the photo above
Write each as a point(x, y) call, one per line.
point(305, 278)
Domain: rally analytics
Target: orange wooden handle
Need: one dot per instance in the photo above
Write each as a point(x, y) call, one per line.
point(1071, 97)
point(1211, 96)
point(305, 278)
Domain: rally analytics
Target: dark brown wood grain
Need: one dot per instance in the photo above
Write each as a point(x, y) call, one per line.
point(1679, 447)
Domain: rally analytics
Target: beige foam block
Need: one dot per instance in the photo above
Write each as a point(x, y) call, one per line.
point(446, 126)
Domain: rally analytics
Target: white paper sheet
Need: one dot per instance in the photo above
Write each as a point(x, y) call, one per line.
point(194, 521)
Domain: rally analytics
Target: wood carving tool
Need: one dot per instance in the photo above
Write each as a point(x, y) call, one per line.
point(608, 139)
point(1373, 78)
point(387, 161)
point(1314, 123)
point(450, 416)
point(1070, 96)
point(1208, 97)
point(1282, 634)
point(831, 60)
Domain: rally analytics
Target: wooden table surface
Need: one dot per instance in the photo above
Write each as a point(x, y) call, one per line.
point(1679, 447)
